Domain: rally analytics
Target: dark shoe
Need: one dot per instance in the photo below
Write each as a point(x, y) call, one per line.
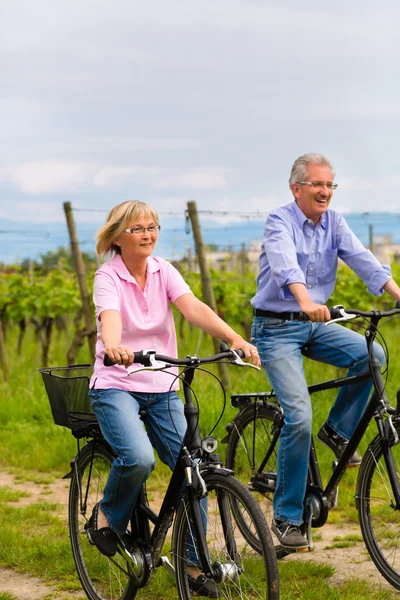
point(202, 586)
point(290, 536)
point(335, 442)
point(104, 539)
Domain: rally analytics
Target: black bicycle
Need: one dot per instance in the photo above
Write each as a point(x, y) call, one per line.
point(201, 495)
point(253, 438)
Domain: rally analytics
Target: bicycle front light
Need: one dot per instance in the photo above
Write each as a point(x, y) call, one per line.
point(209, 444)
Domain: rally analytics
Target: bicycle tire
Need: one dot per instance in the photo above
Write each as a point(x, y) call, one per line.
point(248, 443)
point(248, 572)
point(101, 578)
point(379, 520)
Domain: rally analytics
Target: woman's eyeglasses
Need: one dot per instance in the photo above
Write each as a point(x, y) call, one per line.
point(141, 230)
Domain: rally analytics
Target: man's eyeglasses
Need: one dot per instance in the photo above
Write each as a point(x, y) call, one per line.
point(141, 230)
point(318, 185)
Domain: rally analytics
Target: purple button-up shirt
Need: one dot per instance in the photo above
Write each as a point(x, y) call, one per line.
point(295, 251)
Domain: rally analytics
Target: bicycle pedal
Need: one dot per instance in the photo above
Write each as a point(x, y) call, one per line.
point(306, 549)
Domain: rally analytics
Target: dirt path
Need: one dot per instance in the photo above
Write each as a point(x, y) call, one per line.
point(350, 562)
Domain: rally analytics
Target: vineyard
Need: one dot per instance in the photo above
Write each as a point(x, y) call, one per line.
point(47, 299)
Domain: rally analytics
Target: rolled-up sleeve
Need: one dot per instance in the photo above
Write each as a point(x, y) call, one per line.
point(281, 253)
point(360, 259)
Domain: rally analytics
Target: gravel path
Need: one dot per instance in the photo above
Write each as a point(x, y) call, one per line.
point(351, 562)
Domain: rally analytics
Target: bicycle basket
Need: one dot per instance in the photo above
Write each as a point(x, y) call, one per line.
point(68, 392)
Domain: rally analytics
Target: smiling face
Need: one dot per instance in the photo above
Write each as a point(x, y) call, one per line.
point(314, 202)
point(138, 245)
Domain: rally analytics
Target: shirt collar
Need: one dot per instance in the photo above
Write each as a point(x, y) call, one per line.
point(118, 265)
point(301, 217)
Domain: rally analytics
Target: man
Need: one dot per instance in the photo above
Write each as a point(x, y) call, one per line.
point(302, 243)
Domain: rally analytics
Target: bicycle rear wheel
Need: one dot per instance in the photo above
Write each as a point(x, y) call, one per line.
point(102, 578)
point(379, 519)
point(248, 443)
point(241, 571)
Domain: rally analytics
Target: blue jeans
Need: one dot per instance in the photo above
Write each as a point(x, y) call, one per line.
point(281, 345)
point(118, 414)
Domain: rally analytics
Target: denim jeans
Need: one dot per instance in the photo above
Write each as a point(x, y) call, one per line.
point(118, 414)
point(281, 345)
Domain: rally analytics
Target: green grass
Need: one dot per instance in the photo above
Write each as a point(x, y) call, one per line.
point(8, 494)
point(34, 539)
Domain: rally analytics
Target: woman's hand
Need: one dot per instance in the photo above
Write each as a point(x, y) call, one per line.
point(120, 354)
point(250, 351)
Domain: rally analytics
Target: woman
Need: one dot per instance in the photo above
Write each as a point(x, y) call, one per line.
point(132, 296)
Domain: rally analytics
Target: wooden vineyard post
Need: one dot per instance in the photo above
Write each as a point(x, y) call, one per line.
point(81, 274)
point(3, 355)
point(208, 292)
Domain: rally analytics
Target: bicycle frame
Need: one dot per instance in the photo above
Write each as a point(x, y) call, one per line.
point(183, 476)
point(378, 405)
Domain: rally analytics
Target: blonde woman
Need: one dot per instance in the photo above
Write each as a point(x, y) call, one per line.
point(132, 295)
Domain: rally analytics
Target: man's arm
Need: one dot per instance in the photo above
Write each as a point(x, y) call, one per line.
point(316, 312)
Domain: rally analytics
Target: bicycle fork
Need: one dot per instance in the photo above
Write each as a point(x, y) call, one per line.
point(386, 431)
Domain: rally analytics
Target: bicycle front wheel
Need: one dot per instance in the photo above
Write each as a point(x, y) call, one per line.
point(102, 578)
point(248, 443)
point(241, 572)
point(379, 519)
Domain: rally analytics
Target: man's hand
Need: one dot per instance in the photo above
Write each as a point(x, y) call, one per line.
point(317, 313)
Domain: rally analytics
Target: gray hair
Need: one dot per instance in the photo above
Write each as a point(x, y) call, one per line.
point(299, 169)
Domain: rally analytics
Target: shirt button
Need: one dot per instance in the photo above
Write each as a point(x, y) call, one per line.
point(310, 286)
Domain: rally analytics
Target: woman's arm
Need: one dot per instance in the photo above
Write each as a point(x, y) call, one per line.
point(111, 331)
point(201, 315)
point(392, 288)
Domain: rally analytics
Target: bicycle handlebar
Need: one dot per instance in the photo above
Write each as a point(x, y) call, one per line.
point(157, 362)
point(339, 313)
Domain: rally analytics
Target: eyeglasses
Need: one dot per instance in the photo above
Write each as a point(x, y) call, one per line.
point(141, 230)
point(318, 185)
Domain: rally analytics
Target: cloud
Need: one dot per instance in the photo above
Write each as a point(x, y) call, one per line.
point(196, 179)
point(108, 176)
point(354, 184)
point(44, 177)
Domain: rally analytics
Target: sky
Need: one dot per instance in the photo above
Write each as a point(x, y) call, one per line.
point(210, 101)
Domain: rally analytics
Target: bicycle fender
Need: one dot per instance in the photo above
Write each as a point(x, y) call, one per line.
point(206, 469)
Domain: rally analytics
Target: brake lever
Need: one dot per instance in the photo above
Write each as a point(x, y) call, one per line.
point(241, 363)
point(155, 365)
point(345, 316)
point(159, 366)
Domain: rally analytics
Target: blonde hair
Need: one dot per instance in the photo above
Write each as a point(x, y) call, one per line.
point(119, 218)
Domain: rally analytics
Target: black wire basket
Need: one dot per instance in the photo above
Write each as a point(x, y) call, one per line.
point(68, 392)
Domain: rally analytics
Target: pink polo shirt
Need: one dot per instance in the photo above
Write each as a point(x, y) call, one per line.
point(147, 321)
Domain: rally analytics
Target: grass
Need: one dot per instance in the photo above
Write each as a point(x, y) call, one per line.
point(34, 539)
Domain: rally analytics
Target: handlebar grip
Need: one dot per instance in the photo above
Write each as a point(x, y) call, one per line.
point(225, 348)
point(335, 312)
point(107, 362)
point(138, 357)
point(142, 358)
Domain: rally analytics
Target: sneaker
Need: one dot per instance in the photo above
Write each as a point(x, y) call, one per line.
point(335, 442)
point(202, 586)
point(290, 536)
point(104, 539)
